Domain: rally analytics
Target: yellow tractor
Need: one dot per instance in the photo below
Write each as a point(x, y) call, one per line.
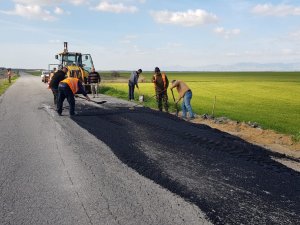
point(78, 64)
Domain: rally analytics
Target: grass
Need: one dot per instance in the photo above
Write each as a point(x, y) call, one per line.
point(4, 84)
point(272, 99)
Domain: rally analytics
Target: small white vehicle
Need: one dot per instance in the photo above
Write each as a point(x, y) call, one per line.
point(45, 76)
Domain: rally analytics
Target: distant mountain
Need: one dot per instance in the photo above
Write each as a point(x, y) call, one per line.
point(240, 67)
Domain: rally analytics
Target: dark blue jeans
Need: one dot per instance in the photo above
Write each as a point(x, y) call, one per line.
point(186, 104)
point(131, 91)
point(65, 92)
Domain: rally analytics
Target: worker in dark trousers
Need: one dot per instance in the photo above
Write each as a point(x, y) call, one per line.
point(94, 80)
point(161, 84)
point(67, 88)
point(53, 85)
point(132, 82)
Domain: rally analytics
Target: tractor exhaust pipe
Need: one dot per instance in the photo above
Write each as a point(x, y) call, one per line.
point(65, 47)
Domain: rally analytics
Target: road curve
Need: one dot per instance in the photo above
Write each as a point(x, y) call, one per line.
point(53, 171)
point(114, 164)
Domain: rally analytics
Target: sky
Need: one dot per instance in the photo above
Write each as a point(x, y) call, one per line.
point(132, 34)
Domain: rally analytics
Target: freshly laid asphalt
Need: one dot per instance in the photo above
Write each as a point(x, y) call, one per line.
point(119, 164)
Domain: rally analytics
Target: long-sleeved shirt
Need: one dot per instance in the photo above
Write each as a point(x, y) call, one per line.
point(133, 80)
point(181, 87)
point(57, 77)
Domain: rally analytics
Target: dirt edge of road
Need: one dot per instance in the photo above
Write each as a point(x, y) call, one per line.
point(268, 139)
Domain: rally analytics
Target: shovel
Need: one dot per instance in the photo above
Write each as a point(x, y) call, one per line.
point(176, 106)
point(91, 100)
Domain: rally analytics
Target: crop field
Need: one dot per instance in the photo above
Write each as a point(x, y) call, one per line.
point(272, 99)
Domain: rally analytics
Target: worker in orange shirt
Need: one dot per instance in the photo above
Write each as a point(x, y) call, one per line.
point(67, 89)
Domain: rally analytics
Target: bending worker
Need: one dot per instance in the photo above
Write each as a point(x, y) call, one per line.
point(132, 82)
point(67, 88)
point(161, 84)
point(185, 93)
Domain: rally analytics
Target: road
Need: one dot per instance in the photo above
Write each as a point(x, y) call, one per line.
point(115, 164)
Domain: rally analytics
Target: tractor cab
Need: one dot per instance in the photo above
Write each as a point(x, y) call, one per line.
point(76, 59)
point(79, 65)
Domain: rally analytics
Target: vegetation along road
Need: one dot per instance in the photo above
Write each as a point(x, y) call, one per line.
point(119, 164)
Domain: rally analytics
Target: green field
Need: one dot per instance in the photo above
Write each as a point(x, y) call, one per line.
point(272, 99)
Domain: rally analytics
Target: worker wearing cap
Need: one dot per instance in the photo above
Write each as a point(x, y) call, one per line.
point(132, 82)
point(57, 77)
point(67, 88)
point(185, 93)
point(161, 84)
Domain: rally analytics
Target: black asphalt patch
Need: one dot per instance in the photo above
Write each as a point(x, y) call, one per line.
point(232, 181)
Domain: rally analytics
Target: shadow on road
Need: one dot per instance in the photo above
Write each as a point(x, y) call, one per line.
point(232, 181)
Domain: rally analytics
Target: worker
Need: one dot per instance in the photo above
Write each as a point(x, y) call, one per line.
point(185, 93)
point(9, 75)
point(94, 80)
point(161, 84)
point(57, 77)
point(67, 88)
point(133, 82)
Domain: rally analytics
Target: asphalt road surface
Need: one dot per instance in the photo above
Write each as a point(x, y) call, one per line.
point(118, 164)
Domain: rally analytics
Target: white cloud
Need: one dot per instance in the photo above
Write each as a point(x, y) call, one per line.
point(115, 8)
point(50, 2)
point(78, 2)
point(287, 51)
point(227, 33)
point(189, 18)
point(58, 11)
point(31, 12)
point(38, 2)
point(295, 35)
point(276, 10)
